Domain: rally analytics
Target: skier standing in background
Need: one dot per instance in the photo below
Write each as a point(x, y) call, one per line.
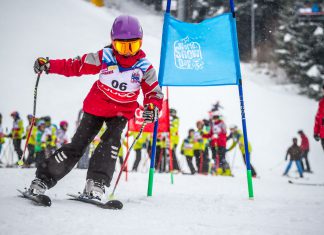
point(199, 148)
point(304, 146)
point(40, 142)
point(294, 152)
point(138, 146)
point(218, 144)
point(50, 134)
point(17, 133)
point(31, 142)
point(319, 121)
point(123, 72)
point(61, 135)
point(187, 149)
point(174, 132)
point(237, 136)
point(2, 140)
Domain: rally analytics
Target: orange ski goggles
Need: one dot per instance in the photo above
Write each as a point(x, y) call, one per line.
point(127, 47)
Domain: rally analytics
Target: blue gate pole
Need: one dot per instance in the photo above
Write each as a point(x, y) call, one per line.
point(240, 89)
point(156, 124)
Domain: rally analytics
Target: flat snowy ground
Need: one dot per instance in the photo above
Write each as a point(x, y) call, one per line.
point(194, 204)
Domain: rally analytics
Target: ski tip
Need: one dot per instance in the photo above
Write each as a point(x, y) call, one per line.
point(114, 204)
point(290, 182)
point(46, 201)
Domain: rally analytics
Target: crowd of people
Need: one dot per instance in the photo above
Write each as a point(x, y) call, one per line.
point(45, 137)
point(204, 148)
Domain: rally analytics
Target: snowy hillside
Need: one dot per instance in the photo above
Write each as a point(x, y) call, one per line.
point(195, 204)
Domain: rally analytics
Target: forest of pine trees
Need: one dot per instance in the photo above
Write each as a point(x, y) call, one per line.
point(283, 36)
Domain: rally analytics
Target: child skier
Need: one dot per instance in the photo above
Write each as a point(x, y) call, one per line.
point(31, 141)
point(237, 136)
point(295, 153)
point(304, 146)
point(40, 142)
point(2, 135)
point(187, 149)
point(123, 71)
point(17, 133)
point(61, 136)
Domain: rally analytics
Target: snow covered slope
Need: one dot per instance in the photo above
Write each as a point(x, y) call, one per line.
point(67, 28)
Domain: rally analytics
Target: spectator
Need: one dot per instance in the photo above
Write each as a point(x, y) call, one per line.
point(295, 155)
point(319, 121)
point(304, 145)
point(17, 132)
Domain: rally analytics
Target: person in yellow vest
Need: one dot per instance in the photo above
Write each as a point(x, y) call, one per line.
point(40, 143)
point(2, 135)
point(174, 132)
point(187, 149)
point(17, 133)
point(31, 142)
point(50, 133)
point(200, 148)
point(121, 152)
point(237, 136)
point(160, 157)
point(138, 146)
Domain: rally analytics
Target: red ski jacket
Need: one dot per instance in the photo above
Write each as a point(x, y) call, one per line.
point(319, 120)
point(304, 142)
point(217, 134)
point(120, 80)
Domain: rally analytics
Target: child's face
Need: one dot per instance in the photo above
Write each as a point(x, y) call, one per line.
point(191, 133)
point(41, 127)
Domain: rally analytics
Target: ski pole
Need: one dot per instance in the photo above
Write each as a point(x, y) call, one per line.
point(111, 196)
point(21, 161)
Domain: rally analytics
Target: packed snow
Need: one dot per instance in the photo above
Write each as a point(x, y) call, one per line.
point(194, 204)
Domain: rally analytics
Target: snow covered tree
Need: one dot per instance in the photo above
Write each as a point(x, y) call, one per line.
point(300, 49)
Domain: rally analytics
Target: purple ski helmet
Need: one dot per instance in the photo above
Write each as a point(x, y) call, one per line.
point(126, 27)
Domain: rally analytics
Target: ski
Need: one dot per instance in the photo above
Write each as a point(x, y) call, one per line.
point(41, 200)
point(306, 184)
point(111, 204)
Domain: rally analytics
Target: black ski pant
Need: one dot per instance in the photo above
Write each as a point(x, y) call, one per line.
point(198, 155)
point(322, 142)
point(17, 146)
point(174, 159)
point(220, 151)
point(252, 168)
point(137, 159)
point(31, 154)
point(191, 167)
point(39, 158)
point(160, 159)
point(103, 161)
point(304, 157)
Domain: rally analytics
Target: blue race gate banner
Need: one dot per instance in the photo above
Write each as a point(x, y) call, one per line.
point(203, 54)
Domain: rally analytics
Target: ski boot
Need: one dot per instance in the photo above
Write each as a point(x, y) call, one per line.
point(37, 187)
point(219, 171)
point(94, 189)
point(227, 172)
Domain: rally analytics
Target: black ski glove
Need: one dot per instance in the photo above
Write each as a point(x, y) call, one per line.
point(316, 137)
point(151, 113)
point(41, 64)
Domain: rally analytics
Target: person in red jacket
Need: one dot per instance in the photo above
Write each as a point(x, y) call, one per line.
point(304, 146)
point(218, 141)
point(123, 71)
point(319, 121)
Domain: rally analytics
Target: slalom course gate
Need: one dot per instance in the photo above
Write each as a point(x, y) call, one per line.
point(203, 54)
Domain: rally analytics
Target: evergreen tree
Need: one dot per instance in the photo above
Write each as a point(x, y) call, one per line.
point(300, 49)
